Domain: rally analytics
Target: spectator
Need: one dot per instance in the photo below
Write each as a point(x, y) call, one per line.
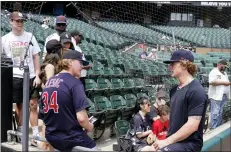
point(219, 92)
point(15, 45)
point(188, 106)
point(160, 126)
point(152, 55)
point(60, 27)
point(153, 109)
point(65, 117)
point(49, 69)
point(142, 126)
point(66, 41)
point(78, 38)
point(160, 100)
point(45, 23)
point(143, 54)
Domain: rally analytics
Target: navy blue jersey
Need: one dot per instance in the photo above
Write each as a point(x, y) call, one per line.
point(190, 100)
point(63, 97)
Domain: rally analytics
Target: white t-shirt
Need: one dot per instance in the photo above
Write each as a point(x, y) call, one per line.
point(83, 71)
point(15, 48)
point(217, 92)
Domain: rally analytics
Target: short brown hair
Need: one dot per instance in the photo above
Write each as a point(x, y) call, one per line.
point(163, 110)
point(190, 66)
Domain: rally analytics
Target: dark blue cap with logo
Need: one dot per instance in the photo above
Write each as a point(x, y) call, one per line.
point(75, 55)
point(180, 55)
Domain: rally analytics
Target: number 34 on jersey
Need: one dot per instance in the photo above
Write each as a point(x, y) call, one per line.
point(50, 103)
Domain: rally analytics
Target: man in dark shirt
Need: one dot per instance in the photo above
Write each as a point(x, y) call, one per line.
point(65, 102)
point(188, 106)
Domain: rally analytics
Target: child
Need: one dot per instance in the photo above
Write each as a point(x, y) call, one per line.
point(160, 127)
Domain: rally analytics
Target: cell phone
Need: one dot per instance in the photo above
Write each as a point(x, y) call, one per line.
point(92, 119)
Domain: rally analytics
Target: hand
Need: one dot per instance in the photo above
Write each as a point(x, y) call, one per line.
point(150, 138)
point(36, 82)
point(160, 144)
point(90, 128)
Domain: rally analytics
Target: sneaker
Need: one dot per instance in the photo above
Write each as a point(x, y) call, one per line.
point(35, 143)
point(19, 139)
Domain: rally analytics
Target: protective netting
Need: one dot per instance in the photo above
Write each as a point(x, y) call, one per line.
point(164, 23)
point(28, 9)
point(116, 32)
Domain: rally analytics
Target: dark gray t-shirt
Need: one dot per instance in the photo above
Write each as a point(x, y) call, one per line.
point(190, 100)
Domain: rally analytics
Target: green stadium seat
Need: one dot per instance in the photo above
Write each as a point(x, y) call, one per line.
point(121, 127)
point(117, 84)
point(120, 103)
point(111, 115)
point(108, 72)
point(105, 85)
point(139, 95)
point(130, 99)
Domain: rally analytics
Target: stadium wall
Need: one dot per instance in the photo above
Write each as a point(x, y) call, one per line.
point(206, 50)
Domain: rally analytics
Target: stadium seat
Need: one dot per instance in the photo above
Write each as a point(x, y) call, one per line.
point(111, 115)
point(120, 103)
point(139, 95)
point(117, 84)
point(130, 99)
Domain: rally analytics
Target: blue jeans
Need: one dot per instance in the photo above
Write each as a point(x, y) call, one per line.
point(216, 111)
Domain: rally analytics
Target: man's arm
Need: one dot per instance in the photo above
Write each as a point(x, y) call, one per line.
point(216, 83)
point(83, 120)
point(143, 134)
point(186, 130)
point(36, 64)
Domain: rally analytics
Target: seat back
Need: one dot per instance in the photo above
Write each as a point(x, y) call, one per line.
point(121, 127)
point(117, 101)
point(90, 84)
point(104, 83)
point(117, 83)
point(102, 103)
point(130, 99)
point(141, 94)
point(128, 83)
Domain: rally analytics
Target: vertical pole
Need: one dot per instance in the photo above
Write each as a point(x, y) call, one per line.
point(25, 131)
point(174, 41)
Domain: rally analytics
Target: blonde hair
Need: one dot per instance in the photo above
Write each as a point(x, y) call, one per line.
point(190, 66)
point(64, 64)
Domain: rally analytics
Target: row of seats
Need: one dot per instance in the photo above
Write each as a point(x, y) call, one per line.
point(207, 37)
point(137, 31)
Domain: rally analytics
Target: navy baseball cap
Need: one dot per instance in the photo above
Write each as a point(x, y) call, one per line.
point(75, 55)
point(61, 19)
point(180, 55)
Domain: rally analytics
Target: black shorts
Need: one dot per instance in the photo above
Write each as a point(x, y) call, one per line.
point(18, 90)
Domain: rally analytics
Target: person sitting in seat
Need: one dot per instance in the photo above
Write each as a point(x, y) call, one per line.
point(160, 126)
point(142, 127)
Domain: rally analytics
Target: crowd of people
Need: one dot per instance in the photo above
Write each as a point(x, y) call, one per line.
point(63, 103)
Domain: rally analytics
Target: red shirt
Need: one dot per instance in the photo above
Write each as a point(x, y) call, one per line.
point(160, 129)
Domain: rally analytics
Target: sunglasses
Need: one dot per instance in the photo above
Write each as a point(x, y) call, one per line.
point(61, 24)
point(19, 21)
